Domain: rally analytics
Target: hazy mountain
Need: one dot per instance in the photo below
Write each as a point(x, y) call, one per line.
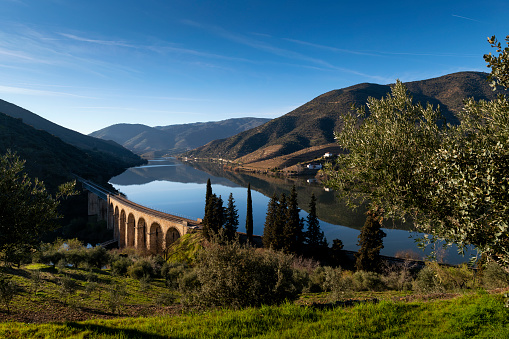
point(118, 154)
point(314, 123)
point(174, 139)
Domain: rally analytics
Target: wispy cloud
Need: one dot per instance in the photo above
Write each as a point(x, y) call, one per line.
point(464, 17)
point(99, 42)
point(328, 48)
point(38, 92)
point(263, 46)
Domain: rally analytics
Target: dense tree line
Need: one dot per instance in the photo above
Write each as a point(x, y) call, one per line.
point(217, 217)
point(284, 229)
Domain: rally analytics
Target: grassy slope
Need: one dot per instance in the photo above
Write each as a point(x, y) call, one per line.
point(478, 315)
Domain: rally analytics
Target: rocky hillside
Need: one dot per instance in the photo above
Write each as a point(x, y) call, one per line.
point(314, 123)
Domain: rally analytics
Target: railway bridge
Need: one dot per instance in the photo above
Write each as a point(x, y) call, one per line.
point(134, 225)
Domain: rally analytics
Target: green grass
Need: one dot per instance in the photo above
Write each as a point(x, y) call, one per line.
point(475, 315)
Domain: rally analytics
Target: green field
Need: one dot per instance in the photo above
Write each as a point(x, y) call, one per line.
point(477, 315)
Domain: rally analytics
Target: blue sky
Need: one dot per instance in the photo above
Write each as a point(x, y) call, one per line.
point(90, 64)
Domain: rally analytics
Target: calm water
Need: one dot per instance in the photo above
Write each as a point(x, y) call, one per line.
point(178, 188)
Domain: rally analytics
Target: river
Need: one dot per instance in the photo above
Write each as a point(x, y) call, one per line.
point(178, 188)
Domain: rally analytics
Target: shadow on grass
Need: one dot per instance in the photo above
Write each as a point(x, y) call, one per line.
point(117, 332)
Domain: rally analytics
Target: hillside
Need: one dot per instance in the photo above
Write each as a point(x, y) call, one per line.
point(122, 157)
point(173, 139)
point(49, 158)
point(314, 123)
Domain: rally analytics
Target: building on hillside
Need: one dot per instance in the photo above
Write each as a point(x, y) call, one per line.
point(314, 166)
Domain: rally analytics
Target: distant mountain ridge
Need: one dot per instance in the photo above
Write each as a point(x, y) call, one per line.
point(174, 139)
point(314, 123)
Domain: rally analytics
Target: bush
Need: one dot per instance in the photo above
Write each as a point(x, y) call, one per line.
point(119, 265)
point(172, 272)
point(97, 257)
point(165, 299)
point(316, 280)
point(494, 276)
point(399, 277)
point(140, 269)
point(367, 281)
point(337, 282)
point(8, 290)
point(427, 281)
point(236, 276)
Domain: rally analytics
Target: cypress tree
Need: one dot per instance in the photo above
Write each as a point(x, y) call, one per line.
point(219, 215)
point(292, 232)
point(231, 218)
point(208, 211)
point(314, 236)
point(279, 224)
point(270, 222)
point(249, 215)
point(371, 242)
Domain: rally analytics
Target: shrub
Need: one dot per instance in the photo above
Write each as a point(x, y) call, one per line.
point(494, 276)
point(399, 277)
point(140, 269)
point(172, 272)
point(116, 297)
point(157, 264)
point(97, 257)
point(236, 276)
point(316, 280)
point(427, 281)
point(8, 290)
point(119, 265)
point(337, 282)
point(165, 299)
point(367, 281)
point(75, 256)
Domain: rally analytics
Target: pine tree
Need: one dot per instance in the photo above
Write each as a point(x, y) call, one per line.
point(249, 215)
point(270, 222)
point(292, 232)
point(314, 236)
point(371, 242)
point(231, 218)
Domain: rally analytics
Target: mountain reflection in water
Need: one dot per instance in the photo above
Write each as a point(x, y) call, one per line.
point(179, 188)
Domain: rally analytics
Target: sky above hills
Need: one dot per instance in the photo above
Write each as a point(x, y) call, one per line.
point(89, 64)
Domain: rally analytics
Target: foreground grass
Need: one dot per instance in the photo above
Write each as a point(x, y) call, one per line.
point(475, 315)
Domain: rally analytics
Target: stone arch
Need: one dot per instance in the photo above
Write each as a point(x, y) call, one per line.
point(116, 229)
point(122, 230)
point(141, 242)
point(156, 239)
point(131, 223)
point(171, 236)
point(111, 217)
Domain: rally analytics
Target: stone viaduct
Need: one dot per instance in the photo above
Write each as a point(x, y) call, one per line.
point(134, 225)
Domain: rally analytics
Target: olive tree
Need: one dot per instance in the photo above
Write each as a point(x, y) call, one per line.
point(27, 210)
point(451, 180)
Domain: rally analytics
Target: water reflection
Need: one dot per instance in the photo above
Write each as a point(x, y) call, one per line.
point(177, 188)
